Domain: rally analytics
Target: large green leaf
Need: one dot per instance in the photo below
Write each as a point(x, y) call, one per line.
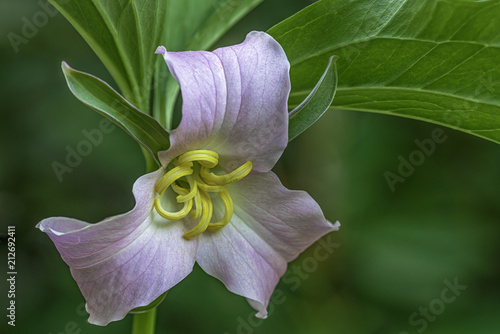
point(192, 25)
point(432, 60)
point(124, 34)
point(105, 100)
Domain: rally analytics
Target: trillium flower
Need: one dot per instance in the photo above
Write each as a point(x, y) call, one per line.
point(215, 200)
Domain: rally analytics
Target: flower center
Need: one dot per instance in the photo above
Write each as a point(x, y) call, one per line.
point(193, 182)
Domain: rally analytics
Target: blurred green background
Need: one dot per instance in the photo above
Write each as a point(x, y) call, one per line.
point(391, 258)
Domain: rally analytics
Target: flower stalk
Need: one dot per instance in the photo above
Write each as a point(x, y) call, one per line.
point(144, 323)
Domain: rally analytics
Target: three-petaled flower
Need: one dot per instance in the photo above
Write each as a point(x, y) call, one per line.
point(214, 201)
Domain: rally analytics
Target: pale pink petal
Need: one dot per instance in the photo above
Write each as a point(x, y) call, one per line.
point(271, 225)
point(234, 102)
point(126, 261)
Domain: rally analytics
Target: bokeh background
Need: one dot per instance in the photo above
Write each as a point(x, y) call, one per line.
point(392, 257)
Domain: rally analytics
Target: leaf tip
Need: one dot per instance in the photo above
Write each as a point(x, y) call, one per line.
point(65, 67)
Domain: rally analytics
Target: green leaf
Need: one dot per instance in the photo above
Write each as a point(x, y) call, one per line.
point(192, 25)
point(99, 96)
point(316, 103)
point(124, 34)
point(432, 60)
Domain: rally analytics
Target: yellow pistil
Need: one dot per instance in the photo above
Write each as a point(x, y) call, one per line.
point(193, 181)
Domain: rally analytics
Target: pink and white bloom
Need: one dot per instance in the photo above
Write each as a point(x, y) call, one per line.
point(215, 201)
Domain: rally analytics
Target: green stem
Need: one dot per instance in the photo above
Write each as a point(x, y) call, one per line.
point(151, 164)
point(144, 323)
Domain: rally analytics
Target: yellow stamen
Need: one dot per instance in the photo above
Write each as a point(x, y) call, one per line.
point(173, 175)
point(187, 195)
point(196, 214)
point(221, 180)
point(194, 185)
point(206, 158)
point(228, 214)
point(182, 213)
point(207, 208)
point(208, 188)
point(180, 190)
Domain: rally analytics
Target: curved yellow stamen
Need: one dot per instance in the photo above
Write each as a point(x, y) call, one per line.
point(228, 214)
point(173, 175)
point(196, 214)
point(179, 190)
point(186, 195)
point(206, 158)
point(206, 216)
point(208, 188)
point(221, 180)
point(182, 213)
point(194, 185)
